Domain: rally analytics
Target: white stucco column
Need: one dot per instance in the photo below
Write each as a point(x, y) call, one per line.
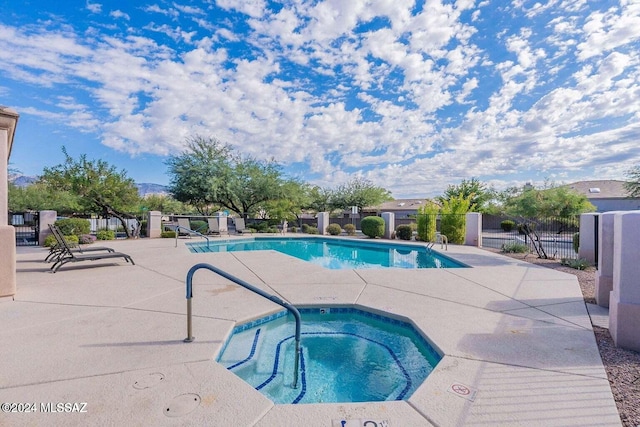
point(8, 123)
point(587, 248)
point(389, 224)
point(473, 232)
point(604, 275)
point(323, 222)
point(624, 302)
point(154, 224)
point(45, 218)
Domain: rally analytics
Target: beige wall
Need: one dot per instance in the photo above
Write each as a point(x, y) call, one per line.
point(8, 122)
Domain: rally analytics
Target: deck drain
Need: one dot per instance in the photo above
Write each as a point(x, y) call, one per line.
point(182, 405)
point(149, 381)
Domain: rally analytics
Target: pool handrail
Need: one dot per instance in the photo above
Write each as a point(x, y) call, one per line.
point(291, 308)
point(188, 230)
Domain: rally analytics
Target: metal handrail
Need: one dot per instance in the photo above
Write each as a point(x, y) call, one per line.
point(292, 309)
point(440, 238)
point(190, 231)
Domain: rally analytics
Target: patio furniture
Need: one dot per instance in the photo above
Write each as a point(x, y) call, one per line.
point(57, 250)
point(240, 226)
point(68, 255)
point(214, 226)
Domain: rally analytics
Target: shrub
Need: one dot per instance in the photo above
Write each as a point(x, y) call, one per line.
point(294, 229)
point(507, 225)
point(305, 228)
point(426, 222)
point(199, 226)
point(73, 226)
point(50, 241)
point(578, 264)
point(372, 226)
point(86, 239)
point(515, 248)
point(404, 232)
point(313, 230)
point(334, 229)
point(350, 229)
point(106, 235)
point(168, 234)
point(525, 228)
point(576, 242)
point(143, 227)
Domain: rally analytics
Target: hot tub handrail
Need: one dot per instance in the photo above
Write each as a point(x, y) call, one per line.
point(188, 230)
point(291, 308)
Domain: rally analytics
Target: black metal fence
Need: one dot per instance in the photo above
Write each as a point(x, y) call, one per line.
point(553, 236)
point(26, 226)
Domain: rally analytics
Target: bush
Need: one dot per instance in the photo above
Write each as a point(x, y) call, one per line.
point(526, 228)
point(86, 239)
point(168, 234)
point(350, 229)
point(334, 229)
point(73, 226)
point(578, 264)
point(312, 230)
point(106, 235)
point(372, 226)
point(143, 227)
point(404, 232)
point(294, 229)
point(515, 248)
point(199, 226)
point(507, 225)
point(50, 241)
point(426, 222)
point(576, 242)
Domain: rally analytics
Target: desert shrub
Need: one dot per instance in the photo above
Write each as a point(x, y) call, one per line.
point(515, 248)
point(86, 239)
point(313, 230)
point(168, 234)
point(106, 235)
point(261, 227)
point(50, 241)
point(268, 230)
point(334, 229)
point(453, 221)
point(578, 264)
point(199, 225)
point(143, 227)
point(507, 225)
point(73, 226)
point(404, 232)
point(350, 229)
point(576, 242)
point(426, 222)
point(294, 229)
point(372, 226)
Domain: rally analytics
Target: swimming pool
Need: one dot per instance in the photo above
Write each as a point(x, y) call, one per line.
point(348, 355)
point(337, 253)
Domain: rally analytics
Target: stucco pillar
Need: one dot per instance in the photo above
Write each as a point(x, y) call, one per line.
point(473, 232)
point(389, 224)
point(604, 275)
point(8, 123)
point(624, 302)
point(323, 222)
point(45, 218)
point(587, 248)
point(154, 224)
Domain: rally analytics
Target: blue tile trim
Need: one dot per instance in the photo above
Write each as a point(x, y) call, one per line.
point(251, 353)
point(276, 362)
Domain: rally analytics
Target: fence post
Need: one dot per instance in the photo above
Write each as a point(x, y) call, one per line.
point(473, 233)
point(323, 222)
point(624, 303)
point(45, 218)
point(587, 247)
point(154, 224)
point(604, 275)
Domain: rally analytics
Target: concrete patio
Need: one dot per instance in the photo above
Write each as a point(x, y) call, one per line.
point(516, 338)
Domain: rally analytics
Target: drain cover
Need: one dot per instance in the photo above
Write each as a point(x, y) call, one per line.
point(182, 405)
point(149, 381)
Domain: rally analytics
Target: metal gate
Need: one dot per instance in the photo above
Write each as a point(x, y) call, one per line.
point(26, 225)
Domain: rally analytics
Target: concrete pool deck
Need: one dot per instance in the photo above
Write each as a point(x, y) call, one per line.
point(516, 338)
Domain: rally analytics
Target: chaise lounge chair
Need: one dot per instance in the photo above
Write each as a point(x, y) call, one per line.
point(240, 226)
point(58, 250)
point(68, 255)
point(214, 226)
point(184, 228)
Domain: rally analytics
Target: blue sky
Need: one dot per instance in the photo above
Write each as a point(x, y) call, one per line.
point(412, 95)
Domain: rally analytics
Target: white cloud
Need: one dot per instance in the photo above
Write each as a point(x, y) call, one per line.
point(118, 14)
point(94, 7)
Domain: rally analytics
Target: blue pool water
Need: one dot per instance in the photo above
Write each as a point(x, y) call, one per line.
point(348, 355)
point(336, 253)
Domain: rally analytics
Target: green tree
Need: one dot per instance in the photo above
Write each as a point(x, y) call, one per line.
point(99, 187)
point(163, 203)
point(296, 198)
point(555, 201)
point(477, 192)
point(427, 221)
point(37, 197)
point(453, 220)
point(321, 199)
point(208, 175)
point(359, 192)
point(633, 184)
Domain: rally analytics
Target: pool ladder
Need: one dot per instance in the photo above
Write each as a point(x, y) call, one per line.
point(292, 309)
point(440, 238)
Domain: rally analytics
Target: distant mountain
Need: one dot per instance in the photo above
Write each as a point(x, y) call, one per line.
point(144, 188)
point(22, 180)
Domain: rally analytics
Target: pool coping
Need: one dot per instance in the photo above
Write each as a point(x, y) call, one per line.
point(517, 340)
